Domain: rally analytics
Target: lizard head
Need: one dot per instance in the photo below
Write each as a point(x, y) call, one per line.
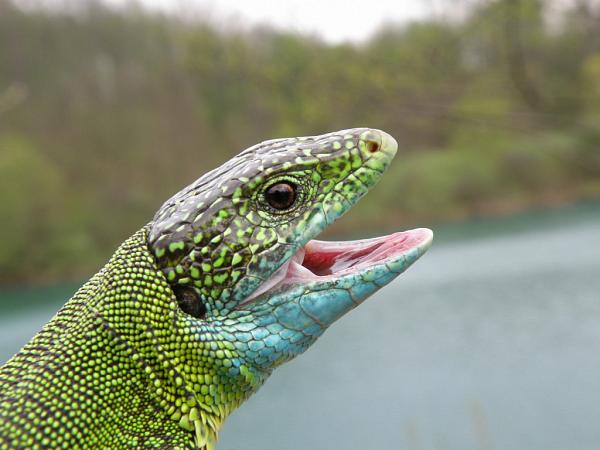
point(254, 288)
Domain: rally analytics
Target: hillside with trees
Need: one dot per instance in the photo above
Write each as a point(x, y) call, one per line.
point(105, 113)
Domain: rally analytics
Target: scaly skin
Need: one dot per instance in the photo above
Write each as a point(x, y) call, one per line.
point(126, 365)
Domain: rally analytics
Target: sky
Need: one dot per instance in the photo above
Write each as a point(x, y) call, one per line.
point(333, 20)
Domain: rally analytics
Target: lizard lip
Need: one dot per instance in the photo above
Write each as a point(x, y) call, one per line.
point(321, 261)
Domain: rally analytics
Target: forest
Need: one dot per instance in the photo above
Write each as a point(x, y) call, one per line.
point(105, 112)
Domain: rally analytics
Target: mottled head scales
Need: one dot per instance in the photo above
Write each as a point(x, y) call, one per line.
point(222, 225)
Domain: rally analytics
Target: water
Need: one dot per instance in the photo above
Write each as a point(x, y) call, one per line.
point(490, 342)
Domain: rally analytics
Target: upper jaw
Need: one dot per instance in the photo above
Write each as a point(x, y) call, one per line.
point(360, 266)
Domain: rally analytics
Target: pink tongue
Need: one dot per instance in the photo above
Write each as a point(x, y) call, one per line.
point(325, 258)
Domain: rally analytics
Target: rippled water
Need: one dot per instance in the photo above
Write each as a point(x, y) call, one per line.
point(491, 341)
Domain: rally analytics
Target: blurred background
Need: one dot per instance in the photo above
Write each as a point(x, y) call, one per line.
point(490, 342)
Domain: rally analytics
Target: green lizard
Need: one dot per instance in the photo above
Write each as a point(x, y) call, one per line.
point(194, 311)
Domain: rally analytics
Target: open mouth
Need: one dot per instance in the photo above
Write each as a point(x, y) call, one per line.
point(320, 261)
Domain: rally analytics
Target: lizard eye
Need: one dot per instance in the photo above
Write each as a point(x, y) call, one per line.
point(281, 195)
point(190, 302)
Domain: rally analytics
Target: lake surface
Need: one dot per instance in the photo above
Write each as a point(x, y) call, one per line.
point(491, 341)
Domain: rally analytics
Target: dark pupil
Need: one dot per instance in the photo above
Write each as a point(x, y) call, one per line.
point(190, 302)
point(281, 195)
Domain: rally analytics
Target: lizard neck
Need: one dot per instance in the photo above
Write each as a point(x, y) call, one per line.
point(113, 365)
point(139, 311)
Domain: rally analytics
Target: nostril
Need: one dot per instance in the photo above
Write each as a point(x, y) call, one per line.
point(372, 146)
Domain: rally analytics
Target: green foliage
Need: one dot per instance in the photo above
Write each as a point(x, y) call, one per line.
point(105, 113)
point(30, 192)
